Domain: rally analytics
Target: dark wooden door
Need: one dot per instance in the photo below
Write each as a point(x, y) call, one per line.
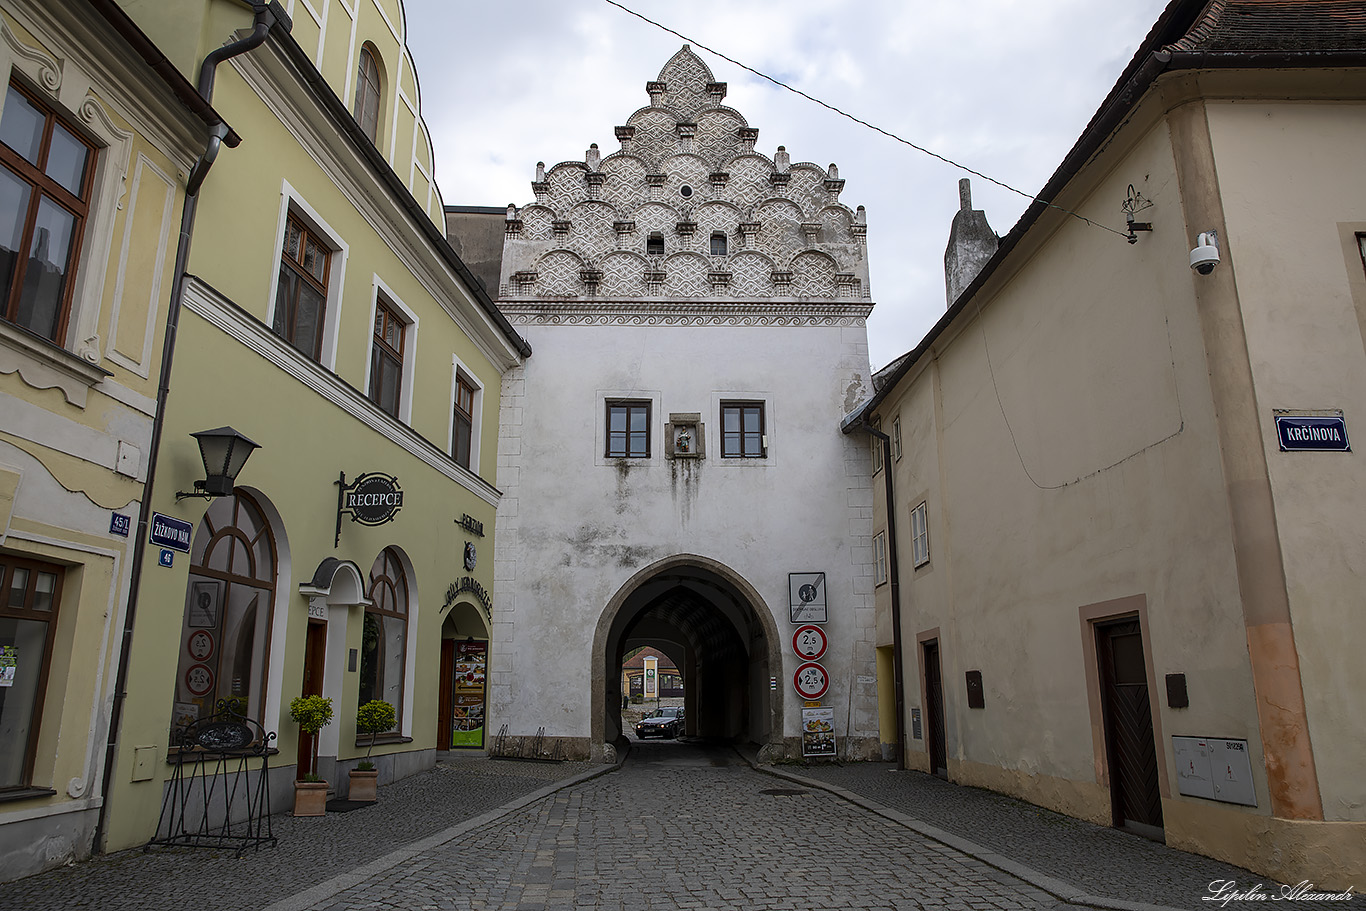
point(1132, 753)
point(445, 695)
point(315, 662)
point(934, 706)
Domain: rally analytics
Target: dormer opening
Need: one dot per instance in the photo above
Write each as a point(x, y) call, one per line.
point(718, 244)
point(654, 244)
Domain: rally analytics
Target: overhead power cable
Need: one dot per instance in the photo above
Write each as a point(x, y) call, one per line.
point(889, 134)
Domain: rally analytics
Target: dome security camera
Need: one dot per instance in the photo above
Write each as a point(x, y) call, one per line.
point(1205, 256)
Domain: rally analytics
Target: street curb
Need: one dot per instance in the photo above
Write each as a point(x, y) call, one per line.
point(1055, 887)
point(300, 901)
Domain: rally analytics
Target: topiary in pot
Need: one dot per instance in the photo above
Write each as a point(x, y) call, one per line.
point(372, 718)
point(312, 714)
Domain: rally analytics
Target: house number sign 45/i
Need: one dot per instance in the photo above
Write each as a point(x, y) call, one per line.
point(811, 681)
point(809, 642)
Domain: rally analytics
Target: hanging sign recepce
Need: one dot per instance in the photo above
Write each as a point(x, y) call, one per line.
point(374, 498)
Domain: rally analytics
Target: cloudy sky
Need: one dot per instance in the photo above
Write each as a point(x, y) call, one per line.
point(1003, 86)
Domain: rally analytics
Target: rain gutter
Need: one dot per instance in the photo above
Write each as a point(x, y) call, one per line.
point(268, 16)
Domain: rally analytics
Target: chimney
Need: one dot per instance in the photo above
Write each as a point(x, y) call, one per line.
point(971, 244)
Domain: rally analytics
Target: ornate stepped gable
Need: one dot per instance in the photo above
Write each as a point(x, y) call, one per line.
point(686, 224)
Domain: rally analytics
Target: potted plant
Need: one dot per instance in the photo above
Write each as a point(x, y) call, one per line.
point(312, 714)
point(372, 718)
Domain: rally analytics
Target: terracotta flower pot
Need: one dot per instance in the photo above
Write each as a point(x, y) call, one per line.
point(310, 798)
point(364, 785)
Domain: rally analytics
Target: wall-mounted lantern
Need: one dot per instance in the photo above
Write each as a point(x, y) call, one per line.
point(224, 452)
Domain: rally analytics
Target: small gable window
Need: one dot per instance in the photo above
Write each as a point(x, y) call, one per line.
point(368, 92)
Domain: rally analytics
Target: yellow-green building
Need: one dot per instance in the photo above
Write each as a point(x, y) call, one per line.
point(95, 141)
point(326, 319)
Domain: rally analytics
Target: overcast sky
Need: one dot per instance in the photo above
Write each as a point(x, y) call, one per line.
point(1003, 86)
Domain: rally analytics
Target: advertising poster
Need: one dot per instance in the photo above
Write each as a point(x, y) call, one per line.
point(9, 663)
point(818, 732)
point(467, 705)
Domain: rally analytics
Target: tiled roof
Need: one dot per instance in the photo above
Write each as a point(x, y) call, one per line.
point(1284, 26)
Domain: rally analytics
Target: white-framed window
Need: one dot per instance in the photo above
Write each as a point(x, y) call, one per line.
point(369, 91)
point(393, 353)
point(384, 639)
point(880, 558)
point(877, 445)
point(310, 266)
point(920, 536)
point(75, 119)
point(467, 403)
point(896, 438)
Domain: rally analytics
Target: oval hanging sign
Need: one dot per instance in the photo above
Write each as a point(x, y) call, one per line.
point(374, 499)
point(811, 681)
point(809, 642)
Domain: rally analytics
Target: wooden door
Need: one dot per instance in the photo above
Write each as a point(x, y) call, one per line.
point(445, 694)
point(315, 662)
point(1135, 797)
point(934, 708)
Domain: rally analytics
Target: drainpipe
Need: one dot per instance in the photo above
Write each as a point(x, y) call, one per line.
point(894, 578)
point(268, 16)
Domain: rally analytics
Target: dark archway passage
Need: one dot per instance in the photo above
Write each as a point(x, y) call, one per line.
point(718, 632)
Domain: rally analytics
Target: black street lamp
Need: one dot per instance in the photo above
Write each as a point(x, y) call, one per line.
point(224, 452)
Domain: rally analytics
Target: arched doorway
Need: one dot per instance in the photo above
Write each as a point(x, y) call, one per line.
point(716, 628)
point(462, 698)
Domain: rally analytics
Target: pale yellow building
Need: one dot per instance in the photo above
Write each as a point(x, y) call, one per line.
point(1128, 525)
point(326, 319)
point(95, 141)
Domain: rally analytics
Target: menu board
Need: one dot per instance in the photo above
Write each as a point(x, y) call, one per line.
point(467, 703)
point(818, 732)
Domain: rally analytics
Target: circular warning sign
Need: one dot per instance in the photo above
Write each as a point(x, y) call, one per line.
point(811, 681)
point(809, 642)
point(199, 680)
point(200, 645)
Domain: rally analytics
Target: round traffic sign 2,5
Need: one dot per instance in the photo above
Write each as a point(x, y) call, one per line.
point(811, 681)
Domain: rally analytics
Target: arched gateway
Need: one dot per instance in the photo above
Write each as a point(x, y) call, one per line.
point(716, 627)
point(670, 456)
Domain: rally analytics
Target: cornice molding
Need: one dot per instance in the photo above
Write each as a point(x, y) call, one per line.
point(270, 76)
point(691, 313)
point(205, 301)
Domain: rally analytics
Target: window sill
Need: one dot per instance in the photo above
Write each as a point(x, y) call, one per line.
point(45, 365)
point(26, 794)
point(382, 740)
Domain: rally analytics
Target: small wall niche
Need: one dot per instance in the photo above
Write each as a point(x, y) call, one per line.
point(683, 437)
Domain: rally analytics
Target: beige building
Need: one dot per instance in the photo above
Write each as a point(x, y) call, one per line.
point(1123, 574)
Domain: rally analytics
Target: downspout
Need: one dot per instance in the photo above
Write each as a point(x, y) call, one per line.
point(267, 17)
point(894, 579)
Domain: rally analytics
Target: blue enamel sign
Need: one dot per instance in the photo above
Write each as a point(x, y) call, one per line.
point(1299, 432)
point(168, 531)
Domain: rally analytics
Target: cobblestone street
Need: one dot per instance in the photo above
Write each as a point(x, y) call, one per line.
point(678, 826)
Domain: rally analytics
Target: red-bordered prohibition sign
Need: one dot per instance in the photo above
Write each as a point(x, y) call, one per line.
point(811, 681)
point(809, 642)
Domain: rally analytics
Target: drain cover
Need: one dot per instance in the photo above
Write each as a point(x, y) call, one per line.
point(785, 792)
